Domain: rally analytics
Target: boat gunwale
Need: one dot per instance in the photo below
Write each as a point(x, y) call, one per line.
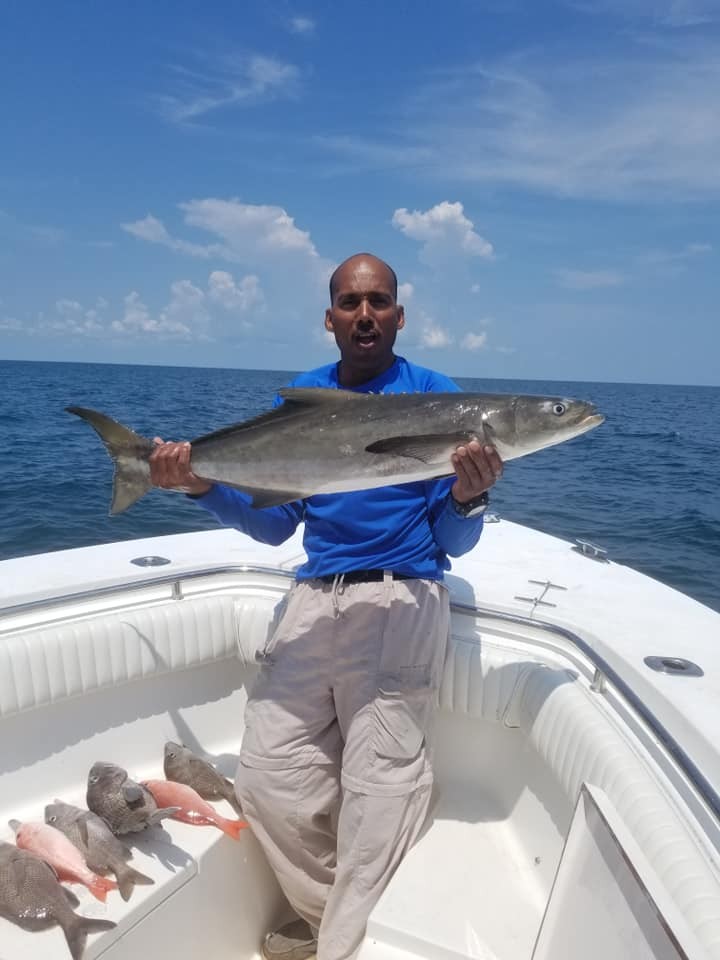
point(604, 671)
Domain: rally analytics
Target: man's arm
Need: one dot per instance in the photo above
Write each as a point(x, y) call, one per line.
point(477, 468)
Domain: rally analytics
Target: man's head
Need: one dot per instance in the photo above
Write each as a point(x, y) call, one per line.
point(364, 316)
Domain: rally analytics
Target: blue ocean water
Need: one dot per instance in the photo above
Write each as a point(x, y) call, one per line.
point(644, 485)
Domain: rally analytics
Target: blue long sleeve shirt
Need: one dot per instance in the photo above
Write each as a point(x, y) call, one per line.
point(410, 528)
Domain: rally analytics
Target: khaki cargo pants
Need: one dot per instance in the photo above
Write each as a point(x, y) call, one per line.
point(334, 774)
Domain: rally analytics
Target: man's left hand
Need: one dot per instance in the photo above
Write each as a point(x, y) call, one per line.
point(477, 468)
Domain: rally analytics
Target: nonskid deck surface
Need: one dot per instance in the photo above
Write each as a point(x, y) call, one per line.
point(462, 892)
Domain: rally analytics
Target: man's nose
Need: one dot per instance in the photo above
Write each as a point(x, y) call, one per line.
point(365, 309)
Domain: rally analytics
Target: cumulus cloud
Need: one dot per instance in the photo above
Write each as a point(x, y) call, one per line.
point(223, 289)
point(405, 291)
point(191, 313)
point(443, 231)
point(242, 233)
point(228, 81)
point(588, 279)
point(473, 341)
point(303, 25)
point(433, 336)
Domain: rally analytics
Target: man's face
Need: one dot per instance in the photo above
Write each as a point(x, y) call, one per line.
point(365, 316)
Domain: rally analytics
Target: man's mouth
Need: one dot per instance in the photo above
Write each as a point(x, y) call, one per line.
point(366, 339)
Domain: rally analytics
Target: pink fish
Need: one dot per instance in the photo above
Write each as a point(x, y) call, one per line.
point(193, 809)
point(55, 849)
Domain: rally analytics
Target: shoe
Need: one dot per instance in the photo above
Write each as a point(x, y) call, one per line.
point(293, 941)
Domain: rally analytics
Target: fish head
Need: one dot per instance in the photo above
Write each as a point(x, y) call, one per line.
point(173, 750)
point(106, 776)
point(539, 422)
point(58, 812)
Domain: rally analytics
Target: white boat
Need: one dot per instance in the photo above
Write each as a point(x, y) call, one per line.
point(576, 810)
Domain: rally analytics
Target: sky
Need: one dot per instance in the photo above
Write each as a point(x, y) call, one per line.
point(178, 179)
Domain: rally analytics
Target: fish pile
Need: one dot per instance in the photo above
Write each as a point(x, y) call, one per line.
point(83, 846)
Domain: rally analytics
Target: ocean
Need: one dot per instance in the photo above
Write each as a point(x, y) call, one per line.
point(644, 485)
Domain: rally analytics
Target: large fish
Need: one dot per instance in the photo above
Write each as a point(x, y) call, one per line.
point(322, 440)
point(31, 896)
point(102, 850)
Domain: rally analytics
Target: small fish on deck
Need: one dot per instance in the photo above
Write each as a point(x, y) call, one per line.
point(102, 850)
point(126, 806)
point(183, 766)
point(191, 808)
point(31, 897)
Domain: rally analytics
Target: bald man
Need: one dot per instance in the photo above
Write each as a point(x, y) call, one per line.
point(334, 773)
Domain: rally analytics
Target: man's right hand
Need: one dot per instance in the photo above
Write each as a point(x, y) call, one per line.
point(170, 468)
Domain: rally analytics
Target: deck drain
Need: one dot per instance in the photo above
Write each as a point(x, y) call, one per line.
point(677, 666)
point(150, 561)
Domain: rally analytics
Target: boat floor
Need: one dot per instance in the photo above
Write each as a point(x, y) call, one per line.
point(465, 890)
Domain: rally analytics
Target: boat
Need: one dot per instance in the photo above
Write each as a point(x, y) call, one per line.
point(576, 808)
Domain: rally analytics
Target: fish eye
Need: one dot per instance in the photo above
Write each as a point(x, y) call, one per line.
point(559, 409)
point(52, 819)
point(94, 778)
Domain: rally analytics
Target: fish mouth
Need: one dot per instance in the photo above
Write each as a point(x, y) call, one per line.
point(592, 420)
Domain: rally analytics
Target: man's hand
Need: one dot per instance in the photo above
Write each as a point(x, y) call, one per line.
point(170, 468)
point(477, 468)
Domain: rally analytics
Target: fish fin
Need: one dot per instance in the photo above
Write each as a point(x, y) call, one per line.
point(127, 878)
point(232, 827)
point(430, 448)
point(304, 397)
point(157, 815)
point(14, 825)
point(272, 498)
point(82, 827)
point(71, 898)
point(77, 930)
point(132, 793)
point(129, 453)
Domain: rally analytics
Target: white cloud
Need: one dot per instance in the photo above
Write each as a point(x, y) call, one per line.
point(588, 279)
point(688, 252)
point(443, 230)
point(263, 238)
point(475, 288)
point(473, 341)
point(302, 25)
point(670, 13)
point(229, 81)
point(11, 324)
point(405, 292)
point(433, 336)
point(223, 289)
point(634, 124)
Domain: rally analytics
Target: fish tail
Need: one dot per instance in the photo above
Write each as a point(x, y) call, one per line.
point(232, 827)
point(129, 453)
point(99, 887)
point(76, 932)
point(127, 878)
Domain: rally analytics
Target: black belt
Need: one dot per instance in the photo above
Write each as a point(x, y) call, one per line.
point(365, 576)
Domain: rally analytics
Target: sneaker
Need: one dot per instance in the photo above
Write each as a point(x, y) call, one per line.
point(293, 941)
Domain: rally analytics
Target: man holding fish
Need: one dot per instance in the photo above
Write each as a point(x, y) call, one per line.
point(334, 774)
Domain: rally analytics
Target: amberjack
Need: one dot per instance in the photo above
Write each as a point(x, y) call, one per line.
point(320, 440)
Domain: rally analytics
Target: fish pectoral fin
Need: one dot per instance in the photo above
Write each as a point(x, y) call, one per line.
point(83, 828)
point(132, 793)
point(430, 448)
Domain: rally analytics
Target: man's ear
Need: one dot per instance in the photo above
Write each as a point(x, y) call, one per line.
point(328, 322)
point(401, 317)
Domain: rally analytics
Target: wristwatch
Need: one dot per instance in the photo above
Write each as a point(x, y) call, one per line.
point(473, 508)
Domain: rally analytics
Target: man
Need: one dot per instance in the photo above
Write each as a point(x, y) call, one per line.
point(334, 775)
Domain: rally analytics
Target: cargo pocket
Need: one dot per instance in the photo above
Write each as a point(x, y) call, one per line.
point(276, 628)
point(403, 705)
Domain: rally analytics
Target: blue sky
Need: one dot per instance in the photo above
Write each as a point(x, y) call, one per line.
point(177, 180)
